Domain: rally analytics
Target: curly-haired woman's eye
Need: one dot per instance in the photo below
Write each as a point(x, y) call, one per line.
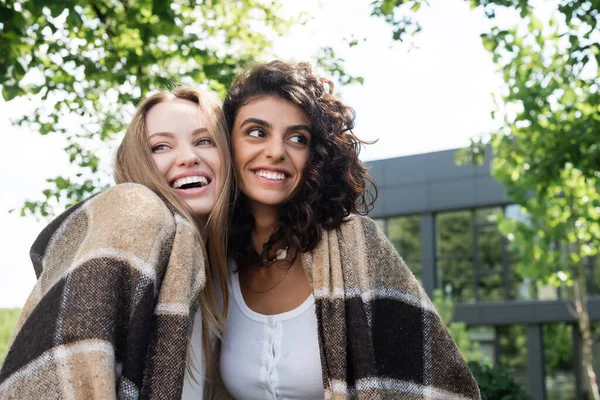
point(255, 133)
point(300, 139)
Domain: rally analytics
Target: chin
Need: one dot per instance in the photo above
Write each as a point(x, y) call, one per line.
point(273, 201)
point(200, 209)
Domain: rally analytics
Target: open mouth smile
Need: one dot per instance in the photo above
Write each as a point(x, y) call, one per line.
point(190, 182)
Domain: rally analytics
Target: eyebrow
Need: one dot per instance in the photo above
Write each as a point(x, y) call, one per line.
point(170, 134)
point(266, 124)
point(300, 128)
point(255, 121)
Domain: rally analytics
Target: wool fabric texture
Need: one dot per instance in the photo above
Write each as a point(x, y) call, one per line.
point(380, 336)
point(118, 278)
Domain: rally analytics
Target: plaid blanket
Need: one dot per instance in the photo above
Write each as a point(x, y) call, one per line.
point(379, 334)
point(118, 276)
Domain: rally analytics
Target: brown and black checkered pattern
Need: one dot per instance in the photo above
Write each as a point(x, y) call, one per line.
point(118, 275)
point(379, 334)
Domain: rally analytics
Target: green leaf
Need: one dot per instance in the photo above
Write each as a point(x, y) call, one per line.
point(74, 19)
point(569, 97)
point(56, 9)
point(10, 92)
point(387, 7)
point(536, 23)
point(18, 71)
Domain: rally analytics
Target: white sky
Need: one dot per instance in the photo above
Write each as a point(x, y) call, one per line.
point(432, 97)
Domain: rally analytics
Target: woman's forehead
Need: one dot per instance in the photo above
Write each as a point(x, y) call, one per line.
point(176, 116)
point(272, 109)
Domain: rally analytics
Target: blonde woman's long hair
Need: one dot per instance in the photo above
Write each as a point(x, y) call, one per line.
point(134, 163)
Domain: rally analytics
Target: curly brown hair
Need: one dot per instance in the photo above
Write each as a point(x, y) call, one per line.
point(335, 182)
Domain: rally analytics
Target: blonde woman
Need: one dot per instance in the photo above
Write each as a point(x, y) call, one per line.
point(124, 276)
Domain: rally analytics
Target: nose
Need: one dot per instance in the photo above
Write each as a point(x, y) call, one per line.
point(187, 157)
point(275, 149)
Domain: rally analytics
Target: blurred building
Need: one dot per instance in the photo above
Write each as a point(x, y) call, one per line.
point(442, 219)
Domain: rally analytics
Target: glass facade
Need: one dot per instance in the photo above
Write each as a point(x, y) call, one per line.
point(473, 260)
point(405, 235)
point(472, 256)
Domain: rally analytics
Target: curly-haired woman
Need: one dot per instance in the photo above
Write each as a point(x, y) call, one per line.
point(121, 274)
point(320, 305)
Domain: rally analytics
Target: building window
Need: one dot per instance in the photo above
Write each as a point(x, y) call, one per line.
point(558, 356)
point(475, 264)
point(512, 351)
point(405, 235)
point(455, 255)
point(489, 260)
point(523, 288)
point(484, 339)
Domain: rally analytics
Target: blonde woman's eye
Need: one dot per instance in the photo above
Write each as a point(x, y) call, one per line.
point(256, 133)
point(159, 147)
point(300, 139)
point(204, 142)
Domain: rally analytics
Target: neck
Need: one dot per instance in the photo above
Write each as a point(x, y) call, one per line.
point(266, 219)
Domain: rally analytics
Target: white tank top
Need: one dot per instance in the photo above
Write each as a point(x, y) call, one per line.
point(271, 356)
point(193, 380)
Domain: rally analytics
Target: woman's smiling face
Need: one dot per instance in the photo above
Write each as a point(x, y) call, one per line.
point(271, 147)
point(185, 153)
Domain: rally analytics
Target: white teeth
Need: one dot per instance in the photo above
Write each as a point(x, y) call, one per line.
point(202, 180)
point(274, 176)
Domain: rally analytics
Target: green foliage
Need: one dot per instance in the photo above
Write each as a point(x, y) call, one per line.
point(458, 330)
point(558, 343)
point(92, 61)
point(496, 383)
point(397, 14)
point(547, 154)
point(404, 233)
point(512, 341)
point(327, 59)
point(8, 320)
